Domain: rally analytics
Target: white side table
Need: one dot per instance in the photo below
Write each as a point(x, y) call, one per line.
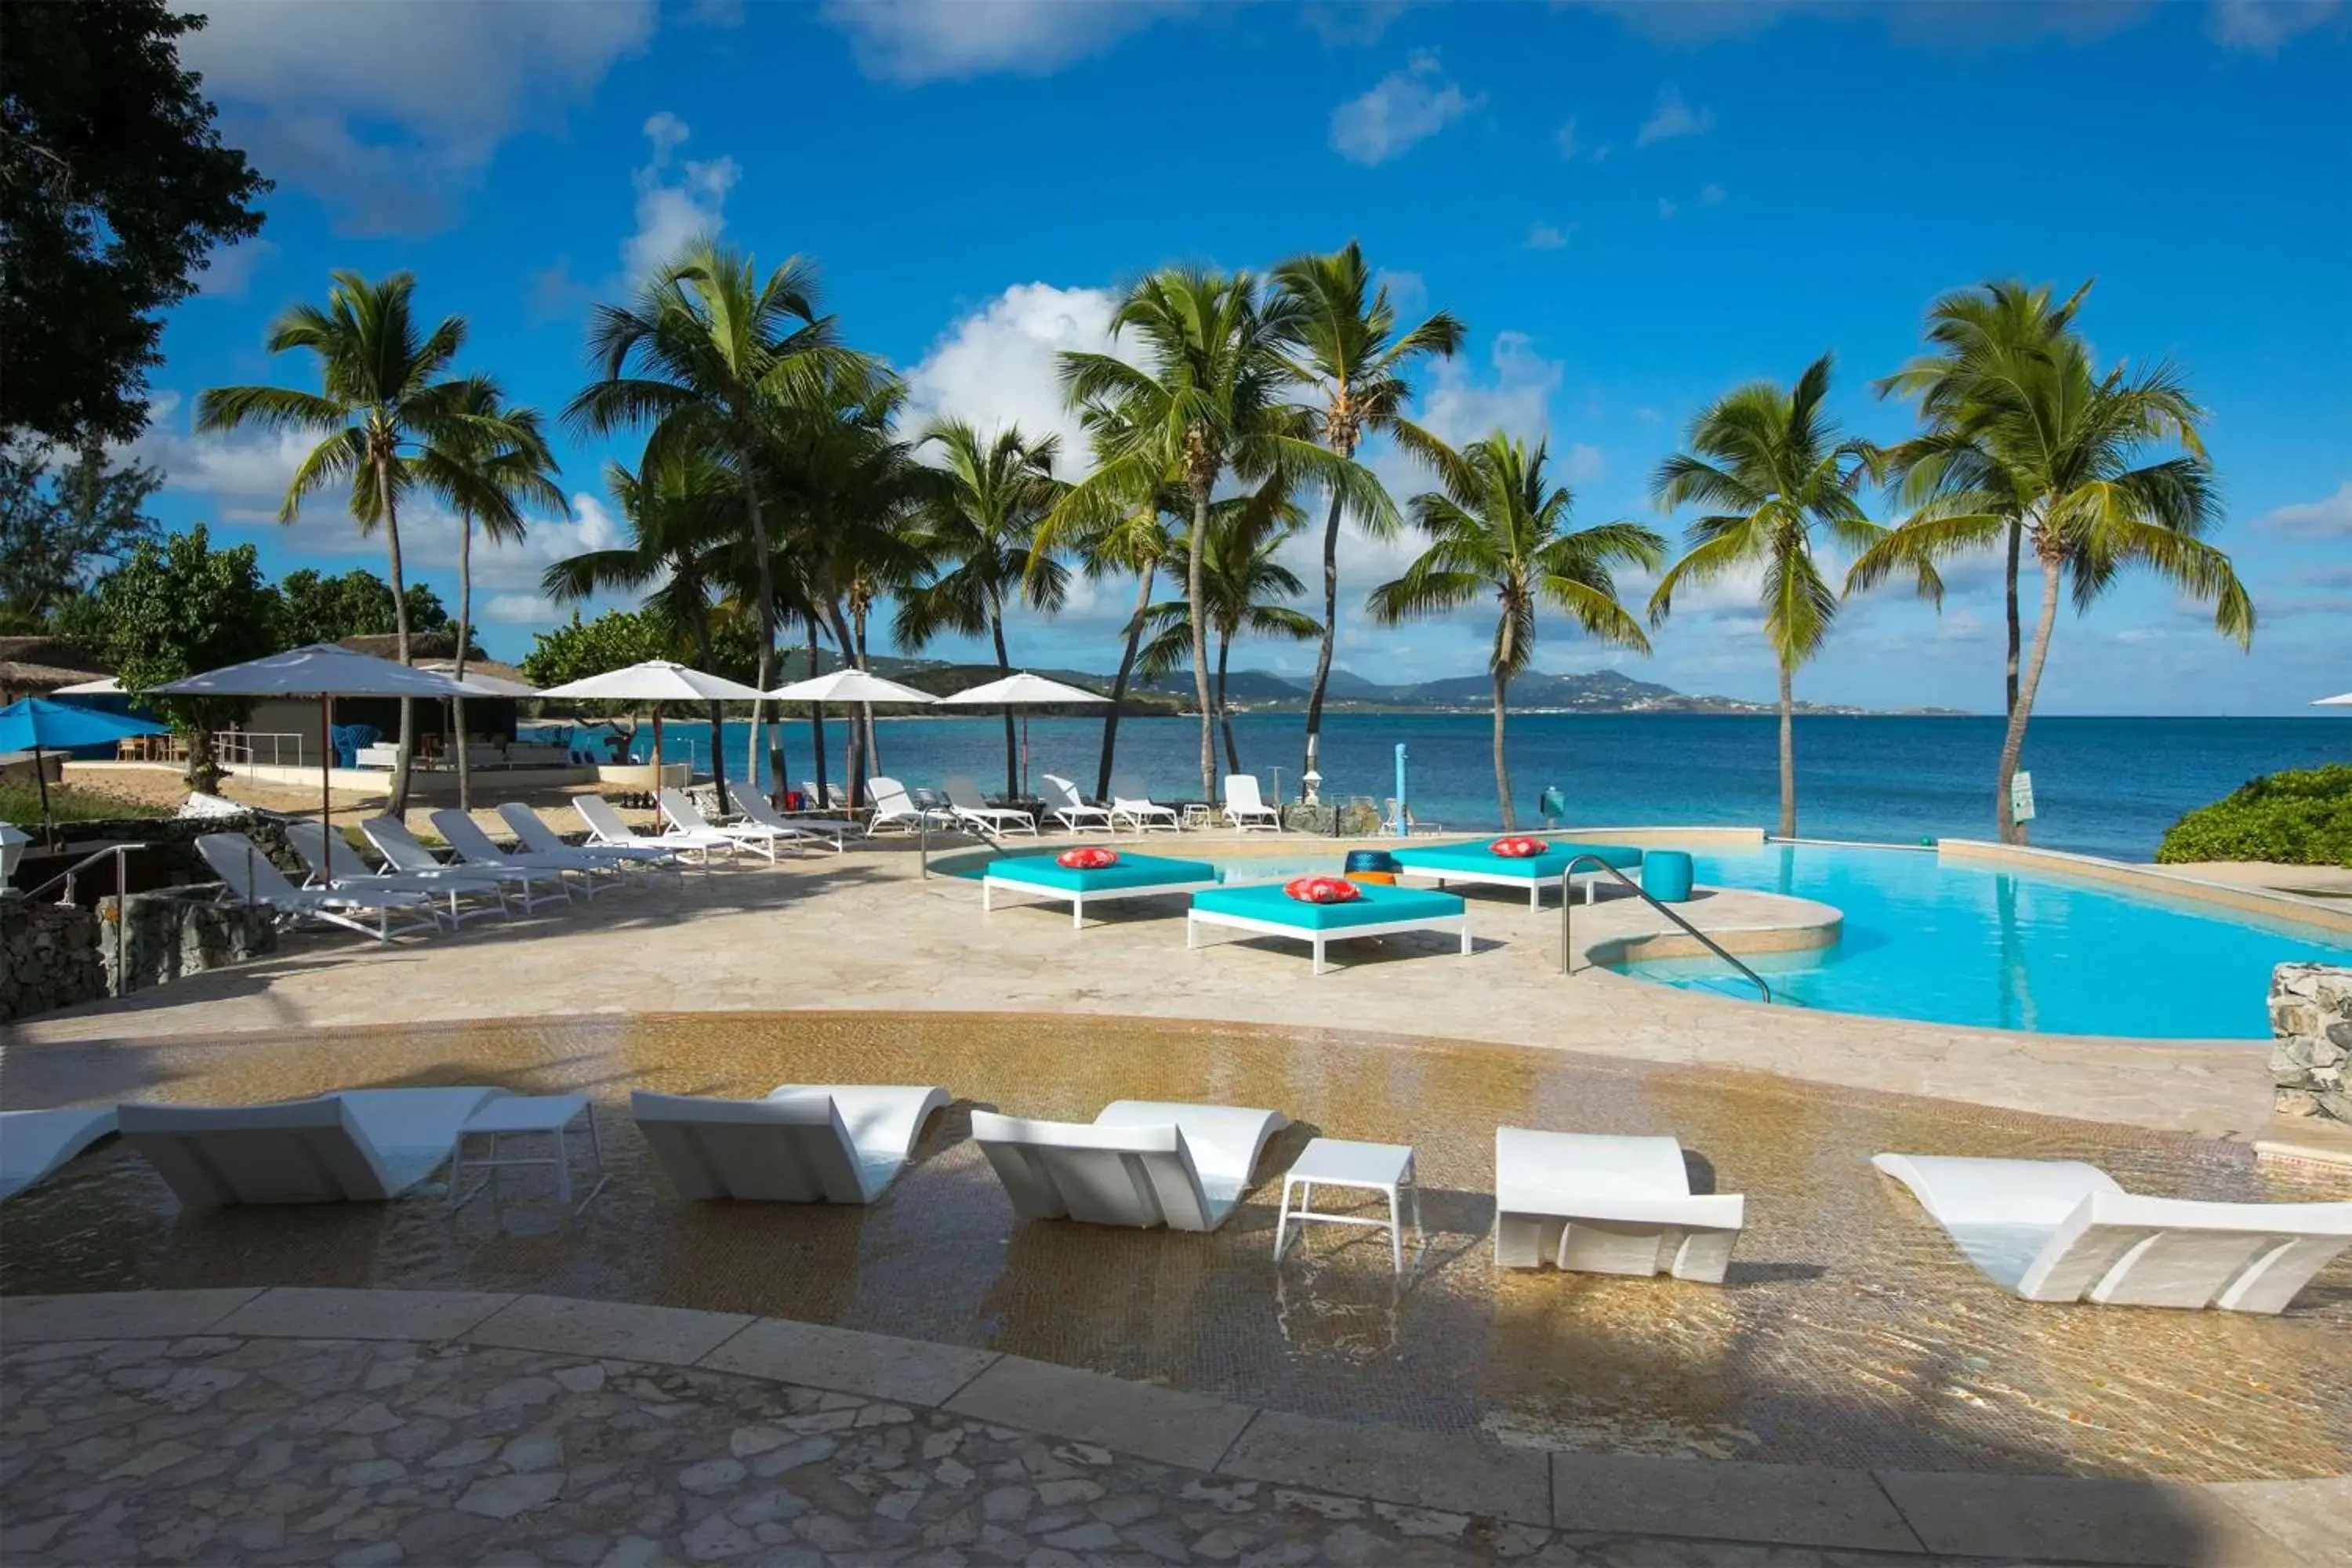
point(1336, 1162)
point(549, 1115)
point(1197, 817)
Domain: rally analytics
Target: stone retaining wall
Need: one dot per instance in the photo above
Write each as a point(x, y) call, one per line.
point(48, 957)
point(167, 936)
point(2311, 1020)
point(174, 839)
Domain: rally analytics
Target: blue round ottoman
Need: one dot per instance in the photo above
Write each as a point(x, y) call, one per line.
point(1667, 876)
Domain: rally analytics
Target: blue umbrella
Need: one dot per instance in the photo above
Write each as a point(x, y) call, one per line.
point(36, 724)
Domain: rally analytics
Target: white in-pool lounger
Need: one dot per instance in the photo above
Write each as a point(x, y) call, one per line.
point(35, 1143)
point(804, 1143)
point(2060, 1230)
point(362, 1145)
point(1603, 1203)
point(1142, 1162)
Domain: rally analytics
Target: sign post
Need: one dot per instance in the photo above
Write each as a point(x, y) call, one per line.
point(2020, 797)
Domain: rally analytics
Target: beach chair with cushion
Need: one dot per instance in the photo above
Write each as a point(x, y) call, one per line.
point(606, 827)
point(895, 810)
point(1140, 1163)
point(250, 878)
point(970, 808)
point(1072, 810)
point(2060, 1230)
point(1245, 808)
point(1477, 863)
point(1130, 801)
point(1603, 1203)
point(309, 842)
point(1265, 909)
point(35, 1145)
point(679, 810)
point(361, 1146)
point(756, 809)
point(475, 851)
point(534, 834)
point(1131, 877)
point(804, 1143)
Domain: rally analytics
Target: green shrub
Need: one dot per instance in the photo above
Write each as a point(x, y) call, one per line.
point(2302, 819)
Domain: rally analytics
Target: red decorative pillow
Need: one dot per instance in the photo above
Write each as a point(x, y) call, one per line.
point(1517, 847)
point(1323, 890)
point(1086, 857)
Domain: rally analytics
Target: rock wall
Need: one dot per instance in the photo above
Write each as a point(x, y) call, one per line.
point(174, 839)
point(2311, 1023)
point(48, 957)
point(165, 937)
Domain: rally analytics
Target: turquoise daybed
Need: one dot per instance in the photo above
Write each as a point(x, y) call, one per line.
point(1133, 877)
point(1267, 911)
point(1475, 862)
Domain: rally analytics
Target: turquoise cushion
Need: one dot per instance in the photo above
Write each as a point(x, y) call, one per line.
point(1546, 866)
point(1378, 905)
point(1131, 872)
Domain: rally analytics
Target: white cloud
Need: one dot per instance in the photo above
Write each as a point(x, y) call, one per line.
point(229, 268)
point(1352, 24)
point(1546, 236)
point(2327, 518)
point(387, 115)
point(913, 41)
point(1580, 464)
point(1407, 106)
point(2261, 27)
point(1408, 291)
point(998, 366)
point(1565, 139)
point(1458, 408)
point(1672, 117)
point(677, 202)
point(1713, 195)
point(520, 610)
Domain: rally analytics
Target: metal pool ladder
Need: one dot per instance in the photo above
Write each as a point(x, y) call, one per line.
point(1568, 903)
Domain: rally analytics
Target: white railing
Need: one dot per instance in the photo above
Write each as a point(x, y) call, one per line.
point(252, 748)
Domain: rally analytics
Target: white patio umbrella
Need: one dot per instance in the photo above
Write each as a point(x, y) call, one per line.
point(656, 680)
point(104, 686)
point(1022, 690)
point(324, 670)
point(850, 685)
point(2341, 699)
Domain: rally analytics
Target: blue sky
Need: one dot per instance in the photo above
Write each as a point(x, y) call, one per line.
point(1633, 206)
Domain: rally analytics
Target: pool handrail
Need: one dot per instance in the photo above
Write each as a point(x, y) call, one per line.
point(1568, 903)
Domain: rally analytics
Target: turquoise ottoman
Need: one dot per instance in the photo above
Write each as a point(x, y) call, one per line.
point(1475, 862)
point(1667, 876)
point(1134, 877)
point(1267, 911)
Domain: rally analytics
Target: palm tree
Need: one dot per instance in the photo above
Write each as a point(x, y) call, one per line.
point(1501, 527)
point(1770, 468)
point(1249, 590)
point(1969, 330)
point(711, 356)
point(1128, 540)
point(383, 394)
point(490, 468)
point(2040, 441)
point(980, 532)
point(1348, 350)
point(1207, 401)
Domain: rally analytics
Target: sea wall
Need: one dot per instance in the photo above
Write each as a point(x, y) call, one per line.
point(48, 957)
point(2311, 1026)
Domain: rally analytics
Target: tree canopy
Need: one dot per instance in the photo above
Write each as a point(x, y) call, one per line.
point(314, 608)
point(58, 525)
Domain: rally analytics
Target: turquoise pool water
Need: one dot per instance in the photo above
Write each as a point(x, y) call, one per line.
point(1960, 944)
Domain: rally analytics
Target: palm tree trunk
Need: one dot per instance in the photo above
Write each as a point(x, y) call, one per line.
point(1195, 575)
point(764, 579)
point(1011, 740)
point(464, 632)
point(2016, 537)
point(1502, 768)
point(816, 720)
point(1225, 715)
point(2012, 745)
point(1330, 632)
point(1787, 751)
point(402, 758)
point(701, 628)
point(854, 763)
point(865, 714)
point(1118, 682)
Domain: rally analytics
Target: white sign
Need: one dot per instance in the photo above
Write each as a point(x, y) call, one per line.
point(2021, 797)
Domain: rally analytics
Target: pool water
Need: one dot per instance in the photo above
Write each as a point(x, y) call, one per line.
point(1960, 944)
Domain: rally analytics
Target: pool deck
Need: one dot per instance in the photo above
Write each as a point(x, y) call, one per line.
point(865, 929)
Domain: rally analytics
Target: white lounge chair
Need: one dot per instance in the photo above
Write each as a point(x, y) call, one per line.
point(1073, 813)
point(362, 1145)
point(757, 811)
point(804, 1143)
point(1245, 808)
point(686, 816)
point(1141, 1163)
point(402, 851)
point(35, 1143)
point(475, 847)
point(893, 809)
point(532, 832)
point(250, 878)
point(349, 873)
point(606, 825)
point(1601, 1203)
point(970, 808)
point(12, 850)
point(2060, 1230)
point(831, 797)
point(1129, 800)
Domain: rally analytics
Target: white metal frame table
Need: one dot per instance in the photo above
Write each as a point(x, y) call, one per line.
point(548, 1115)
point(1338, 1163)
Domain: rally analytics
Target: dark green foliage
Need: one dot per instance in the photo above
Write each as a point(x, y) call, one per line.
point(113, 186)
point(2302, 819)
point(316, 608)
point(613, 640)
point(57, 526)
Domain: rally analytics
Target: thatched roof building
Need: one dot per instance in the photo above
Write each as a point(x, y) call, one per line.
point(35, 666)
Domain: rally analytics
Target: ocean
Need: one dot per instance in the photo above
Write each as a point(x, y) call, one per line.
point(2103, 787)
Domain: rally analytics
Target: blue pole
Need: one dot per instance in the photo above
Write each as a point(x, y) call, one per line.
point(1400, 766)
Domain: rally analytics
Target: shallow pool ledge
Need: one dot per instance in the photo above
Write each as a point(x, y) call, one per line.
point(1754, 922)
point(2153, 880)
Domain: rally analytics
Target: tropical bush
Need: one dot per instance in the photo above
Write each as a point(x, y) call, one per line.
point(2301, 818)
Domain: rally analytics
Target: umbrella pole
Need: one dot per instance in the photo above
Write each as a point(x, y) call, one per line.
point(41, 777)
point(657, 771)
point(327, 783)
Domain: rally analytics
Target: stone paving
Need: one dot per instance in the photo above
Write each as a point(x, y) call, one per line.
point(358, 1454)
